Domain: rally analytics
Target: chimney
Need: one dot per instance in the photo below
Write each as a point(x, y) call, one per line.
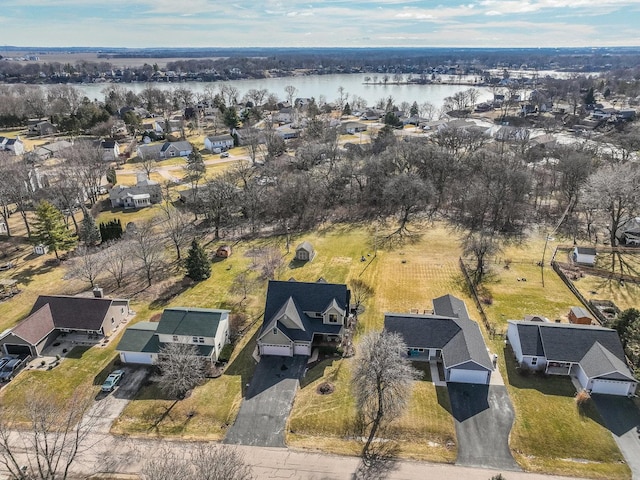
point(98, 292)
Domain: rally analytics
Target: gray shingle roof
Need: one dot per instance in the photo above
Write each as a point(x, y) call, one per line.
point(304, 297)
point(597, 349)
point(450, 330)
point(202, 322)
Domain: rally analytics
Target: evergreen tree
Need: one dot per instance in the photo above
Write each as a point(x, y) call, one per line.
point(111, 230)
point(589, 98)
point(49, 228)
point(414, 109)
point(230, 118)
point(198, 267)
point(89, 232)
point(112, 177)
point(347, 109)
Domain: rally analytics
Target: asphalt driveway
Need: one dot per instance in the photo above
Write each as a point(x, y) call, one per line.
point(109, 406)
point(265, 409)
point(622, 418)
point(483, 417)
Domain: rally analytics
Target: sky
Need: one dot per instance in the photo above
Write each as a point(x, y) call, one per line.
point(324, 23)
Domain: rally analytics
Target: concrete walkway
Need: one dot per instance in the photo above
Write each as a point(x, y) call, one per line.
point(435, 375)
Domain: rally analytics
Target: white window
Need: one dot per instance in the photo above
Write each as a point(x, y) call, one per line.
point(275, 331)
point(175, 338)
point(333, 318)
point(200, 339)
point(195, 339)
point(534, 361)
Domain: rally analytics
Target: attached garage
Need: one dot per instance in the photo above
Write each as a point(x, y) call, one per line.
point(461, 375)
point(141, 358)
point(302, 349)
point(13, 349)
point(281, 350)
point(612, 387)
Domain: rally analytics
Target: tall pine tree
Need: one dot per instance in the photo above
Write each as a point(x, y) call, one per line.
point(198, 267)
point(89, 232)
point(50, 230)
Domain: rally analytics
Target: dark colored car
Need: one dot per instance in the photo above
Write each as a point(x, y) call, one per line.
point(11, 369)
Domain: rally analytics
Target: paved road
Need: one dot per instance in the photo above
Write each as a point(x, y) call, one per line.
point(622, 418)
point(127, 455)
point(483, 417)
point(263, 415)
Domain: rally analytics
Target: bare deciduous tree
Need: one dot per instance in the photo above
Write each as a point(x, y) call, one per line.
point(148, 248)
point(361, 291)
point(117, 260)
point(205, 462)
point(177, 228)
point(87, 265)
point(382, 381)
point(270, 262)
point(57, 434)
point(480, 245)
point(181, 368)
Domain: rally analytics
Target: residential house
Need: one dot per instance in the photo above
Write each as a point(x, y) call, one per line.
point(584, 256)
point(162, 151)
point(580, 316)
point(218, 143)
point(594, 355)
point(207, 329)
point(448, 336)
point(143, 194)
point(41, 128)
point(629, 232)
point(53, 149)
point(305, 252)
point(110, 150)
point(353, 127)
point(371, 115)
point(60, 314)
point(13, 145)
point(176, 149)
point(287, 133)
point(301, 315)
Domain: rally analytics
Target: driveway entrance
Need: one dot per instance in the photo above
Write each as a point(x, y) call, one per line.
point(265, 409)
point(483, 416)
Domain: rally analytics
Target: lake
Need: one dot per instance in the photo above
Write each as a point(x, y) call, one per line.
point(317, 86)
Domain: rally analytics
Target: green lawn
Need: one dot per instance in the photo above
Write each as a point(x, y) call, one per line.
point(552, 435)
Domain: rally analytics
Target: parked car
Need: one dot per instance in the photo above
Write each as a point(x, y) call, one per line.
point(5, 360)
point(224, 155)
point(12, 368)
point(112, 380)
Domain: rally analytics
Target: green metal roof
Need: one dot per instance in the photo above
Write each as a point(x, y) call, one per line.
point(140, 337)
point(202, 322)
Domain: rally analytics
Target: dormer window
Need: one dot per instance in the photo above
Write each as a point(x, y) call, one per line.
point(333, 318)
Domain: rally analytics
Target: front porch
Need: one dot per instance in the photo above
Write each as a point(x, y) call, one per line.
point(559, 368)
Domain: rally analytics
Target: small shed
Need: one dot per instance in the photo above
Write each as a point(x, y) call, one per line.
point(224, 251)
point(41, 249)
point(584, 256)
point(305, 252)
point(580, 316)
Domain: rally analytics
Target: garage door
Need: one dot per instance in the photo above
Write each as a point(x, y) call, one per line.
point(468, 376)
point(17, 349)
point(302, 349)
point(610, 387)
point(282, 350)
point(136, 357)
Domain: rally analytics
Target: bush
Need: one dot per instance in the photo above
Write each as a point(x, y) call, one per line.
point(524, 370)
point(582, 398)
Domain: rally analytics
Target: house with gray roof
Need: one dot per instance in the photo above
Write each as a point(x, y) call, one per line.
point(143, 194)
point(592, 354)
point(301, 315)
point(206, 328)
point(218, 143)
point(162, 151)
point(448, 336)
point(53, 315)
